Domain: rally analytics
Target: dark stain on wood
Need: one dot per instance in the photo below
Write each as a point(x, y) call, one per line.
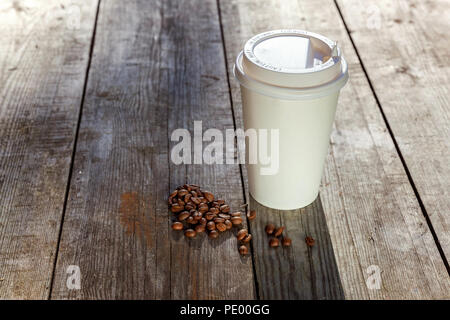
point(133, 218)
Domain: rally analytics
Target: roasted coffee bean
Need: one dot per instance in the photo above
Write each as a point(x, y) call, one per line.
point(224, 208)
point(182, 192)
point(309, 241)
point(251, 215)
point(247, 238)
point(190, 233)
point(214, 210)
point(175, 208)
point(177, 226)
point(236, 220)
point(221, 202)
point(203, 207)
point(270, 228)
point(286, 242)
point(183, 216)
point(219, 220)
point(221, 227)
point(195, 200)
point(224, 216)
point(213, 234)
point(236, 214)
point(181, 202)
point(191, 220)
point(197, 215)
point(278, 232)
point(173, 194)
point(202, 200)
point(243, 250)
point(211, 225)
point(189, 206)
point(274, 242)
point(203, 221)
point(194, 193)
point(199, 228)
point(210, 216)
point(215, 204)
point(241, 234)
point(209, 196)
point(187, 197)
point(228, 224)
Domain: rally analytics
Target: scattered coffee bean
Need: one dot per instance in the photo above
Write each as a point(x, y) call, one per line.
point(214, 210)
point(243, 250)
point(221, 226)
point(278, 231)
point(241, 234)
point(190, 233)
point(224, 208)
point(309, 241)
point(221, 202)
point(236, 220)
point(191, 220)
point(183, 216)
point(211, 225)
point(208, 195)
point(236, 214)
point(176, 208)
point(228, 224)
point(213, 234)
point(274, 242)
point(224, 216)
point(286, 242)
point(219, 220)
point(247, 238)
point(251, 215)
point(199, 228)
point(270, 228)
point(173, 194)
point(177, 226)
point(203, 207)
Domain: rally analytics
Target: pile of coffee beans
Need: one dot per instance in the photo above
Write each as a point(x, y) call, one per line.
point(197, 211)
point(276, 236)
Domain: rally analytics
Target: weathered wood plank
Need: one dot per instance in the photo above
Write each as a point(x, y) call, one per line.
point(44, 54)
point(412, 81)
point(371, 211)
point(157, 66)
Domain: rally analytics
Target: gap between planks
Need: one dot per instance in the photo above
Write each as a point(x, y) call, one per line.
point(69, 178)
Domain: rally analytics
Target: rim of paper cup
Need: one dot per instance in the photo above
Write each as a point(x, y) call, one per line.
point(287, 93)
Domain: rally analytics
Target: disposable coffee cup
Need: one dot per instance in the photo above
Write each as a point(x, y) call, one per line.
point(290, 82)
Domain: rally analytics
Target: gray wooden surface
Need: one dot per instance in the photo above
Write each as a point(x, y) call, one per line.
point(85, 146)
point(43, 63)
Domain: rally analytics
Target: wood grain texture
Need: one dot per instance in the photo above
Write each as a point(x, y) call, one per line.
point(412, 81)
point(44, 54)
point(372, 214)
point(157, 66)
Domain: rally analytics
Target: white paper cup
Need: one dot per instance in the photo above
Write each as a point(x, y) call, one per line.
point(290, 81)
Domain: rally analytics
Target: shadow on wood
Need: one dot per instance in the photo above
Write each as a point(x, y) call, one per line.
point(299, 271)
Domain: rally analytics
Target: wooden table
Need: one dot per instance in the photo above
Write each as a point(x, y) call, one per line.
point(91, 91)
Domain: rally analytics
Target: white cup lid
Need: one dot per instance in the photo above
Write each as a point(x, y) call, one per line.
point(291, 59)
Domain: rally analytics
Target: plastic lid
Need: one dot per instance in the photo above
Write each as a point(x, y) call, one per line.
point(291, 59)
